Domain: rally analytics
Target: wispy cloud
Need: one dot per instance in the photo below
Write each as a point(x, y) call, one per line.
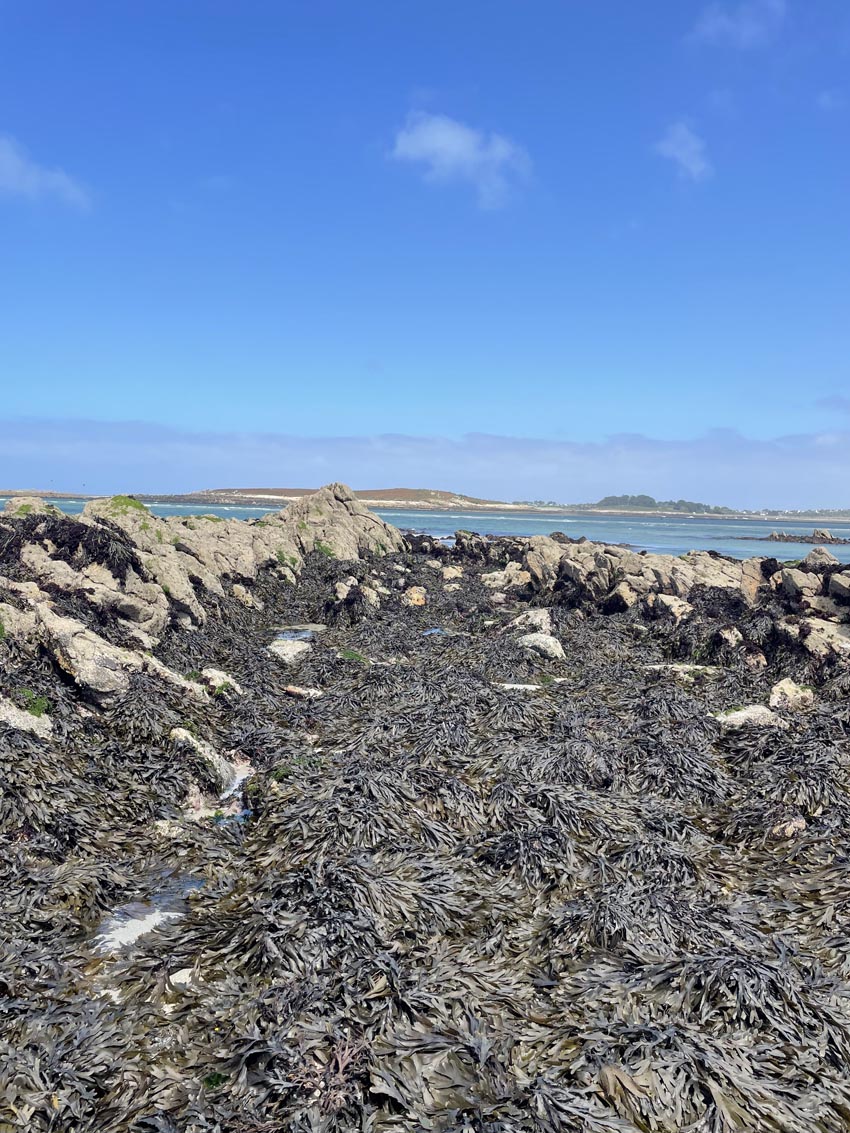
point(450, 151)
point(687, 150)
point(745, 25)
point(721, 466)
point(21, 176)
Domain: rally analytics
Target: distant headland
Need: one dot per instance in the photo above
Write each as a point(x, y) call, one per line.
point(433, 499)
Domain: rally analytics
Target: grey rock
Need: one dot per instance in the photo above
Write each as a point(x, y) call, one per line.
point(753, 716)
point(544, 645)
point(839, 586)
point(789, 695)
point(290, 652)
point(819, 557)
point(14, 717)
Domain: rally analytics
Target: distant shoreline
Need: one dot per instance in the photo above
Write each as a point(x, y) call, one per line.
point(276, 501)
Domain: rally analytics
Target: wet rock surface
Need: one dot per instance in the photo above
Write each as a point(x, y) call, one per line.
point(422, 876)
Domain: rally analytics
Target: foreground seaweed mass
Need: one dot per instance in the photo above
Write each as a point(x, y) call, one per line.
point(500, 848)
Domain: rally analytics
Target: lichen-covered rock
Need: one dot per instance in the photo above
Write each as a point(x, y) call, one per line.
point(95, 664)
point(796, 583)
point(818, 557)
point(22, 506)
point(544, 645)
point(414, 596)
point(40, 725)
point(216, 680)
point(290, 652)
point(512, 577)
point(753, 716)
point(537, 619)
point(675, 608)
point(839, 586)
point(789, 695)
point(334, 522)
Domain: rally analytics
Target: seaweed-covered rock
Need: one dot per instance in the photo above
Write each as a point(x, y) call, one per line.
point(469, 885)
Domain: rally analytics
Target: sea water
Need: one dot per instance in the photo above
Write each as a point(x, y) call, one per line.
point(669, 535)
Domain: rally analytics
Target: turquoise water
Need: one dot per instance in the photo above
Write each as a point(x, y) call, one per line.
point(672, 536)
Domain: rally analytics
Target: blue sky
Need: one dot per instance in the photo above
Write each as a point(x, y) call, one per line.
point(441, 232)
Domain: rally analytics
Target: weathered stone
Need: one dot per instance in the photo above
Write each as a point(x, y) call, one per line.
point(290, 652)
point(22, 506)
point(415, 596)
point(451, 572)
point(333, 521)
point(622, 597)
point(753, 716)
point(303, 693)
point(543, 644)
point(790, 827)
point(791, 696)
point(512, 577)
point(95, 664)
point(731, 636)
point(343, 588)
point(539, 619)
point(542, 561)
point(818, 557)
point(245, 596)
point(676, 608)
point(14, 717)
point(221, 769)
point(798, 582)
point(826, 608)
point(822, 638)
point(752, 580)
point(216, 679)
point(142, 606)
point(839, 586)
point(17, 623)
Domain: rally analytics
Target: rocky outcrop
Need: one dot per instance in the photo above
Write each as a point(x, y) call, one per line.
point(619, 577)
point(96, 665)
point(141, 574)
point(20, 507)
point(819, 535)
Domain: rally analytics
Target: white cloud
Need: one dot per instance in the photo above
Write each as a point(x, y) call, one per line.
point(752, 23)
point(686, 150)
point(722, 466)
point(449, 151)
point(20, 176)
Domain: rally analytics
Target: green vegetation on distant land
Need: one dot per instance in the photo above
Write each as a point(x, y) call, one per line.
point(649, 503)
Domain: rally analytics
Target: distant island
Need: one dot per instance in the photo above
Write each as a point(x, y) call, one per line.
point(433, 499)
point(647, 503)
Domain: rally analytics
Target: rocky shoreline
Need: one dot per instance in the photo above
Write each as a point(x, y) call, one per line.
point(820, 536)
point(311, 826)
